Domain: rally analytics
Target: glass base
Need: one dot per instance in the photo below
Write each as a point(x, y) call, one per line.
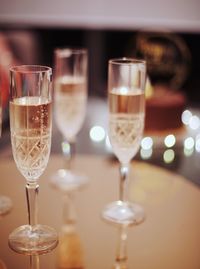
point(33, 240)
point(5, 205)
point(123, 213)
point(68, 181)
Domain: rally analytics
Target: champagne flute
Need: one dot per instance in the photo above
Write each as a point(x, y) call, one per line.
point(126, 84)
point(70, 99)
point(31, 126)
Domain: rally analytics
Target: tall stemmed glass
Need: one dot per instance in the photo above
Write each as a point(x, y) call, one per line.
point(126, 83)
point(31, 126)
point(70, 99)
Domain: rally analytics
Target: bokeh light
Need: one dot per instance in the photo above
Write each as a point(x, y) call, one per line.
point(194, 122)
point(170, 141)
point(186, 115)
point(65, 148)
point(189, 143)
point(169, 156)
point(197, 143)
point(146, 153)
point(97, 133)
point(188, 152)
point(147, 143)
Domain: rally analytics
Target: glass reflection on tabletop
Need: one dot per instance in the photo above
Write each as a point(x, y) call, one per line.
point(70, 249)
point(70, 253)
point(121, 252)
point(2, 265)
point(5, 205)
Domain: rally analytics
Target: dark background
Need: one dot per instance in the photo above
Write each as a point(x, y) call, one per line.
point(103, 45)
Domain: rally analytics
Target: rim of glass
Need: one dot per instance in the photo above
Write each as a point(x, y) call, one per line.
point(126, 61)
point(68, 51)
point(30, 69)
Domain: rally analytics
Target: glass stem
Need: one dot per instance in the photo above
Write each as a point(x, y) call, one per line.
point(124, 172)
point(68, 150)
point(69, 211)
point(32, 189)
point(34, 262)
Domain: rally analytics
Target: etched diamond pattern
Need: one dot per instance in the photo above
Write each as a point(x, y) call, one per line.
point(125, 129)
point(31, 153)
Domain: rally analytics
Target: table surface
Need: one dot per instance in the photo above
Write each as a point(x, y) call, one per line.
point(168, 238)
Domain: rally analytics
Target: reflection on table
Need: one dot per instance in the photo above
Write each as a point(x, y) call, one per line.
point(168, 238)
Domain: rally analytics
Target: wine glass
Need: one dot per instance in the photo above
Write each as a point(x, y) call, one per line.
point(126, 84)
point(31, 127)
point(70, 100)
point(5, 201)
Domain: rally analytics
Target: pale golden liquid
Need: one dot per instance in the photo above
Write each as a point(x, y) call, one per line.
point(70, 105)
point(30, 124)
point(126, 122)
point(132, 102)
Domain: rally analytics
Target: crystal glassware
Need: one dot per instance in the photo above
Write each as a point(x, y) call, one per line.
point(126, 98)
point(31, 128)
point(70, 101)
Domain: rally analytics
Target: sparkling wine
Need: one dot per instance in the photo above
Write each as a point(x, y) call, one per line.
point(70, 104)
point(126, 124)
point(30, 123)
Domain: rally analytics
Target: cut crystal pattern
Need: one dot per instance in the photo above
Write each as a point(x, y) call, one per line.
point(126, 129)
point(31, 152)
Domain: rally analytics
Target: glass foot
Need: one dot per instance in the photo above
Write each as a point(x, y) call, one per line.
point(5, 205)
point(33, 240)
point(67, 181)
point(123, 213)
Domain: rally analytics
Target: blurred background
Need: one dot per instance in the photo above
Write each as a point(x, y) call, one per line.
point(108, 29)
point(165, 33)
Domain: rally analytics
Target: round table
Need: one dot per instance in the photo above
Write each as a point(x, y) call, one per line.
point(168, 238)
